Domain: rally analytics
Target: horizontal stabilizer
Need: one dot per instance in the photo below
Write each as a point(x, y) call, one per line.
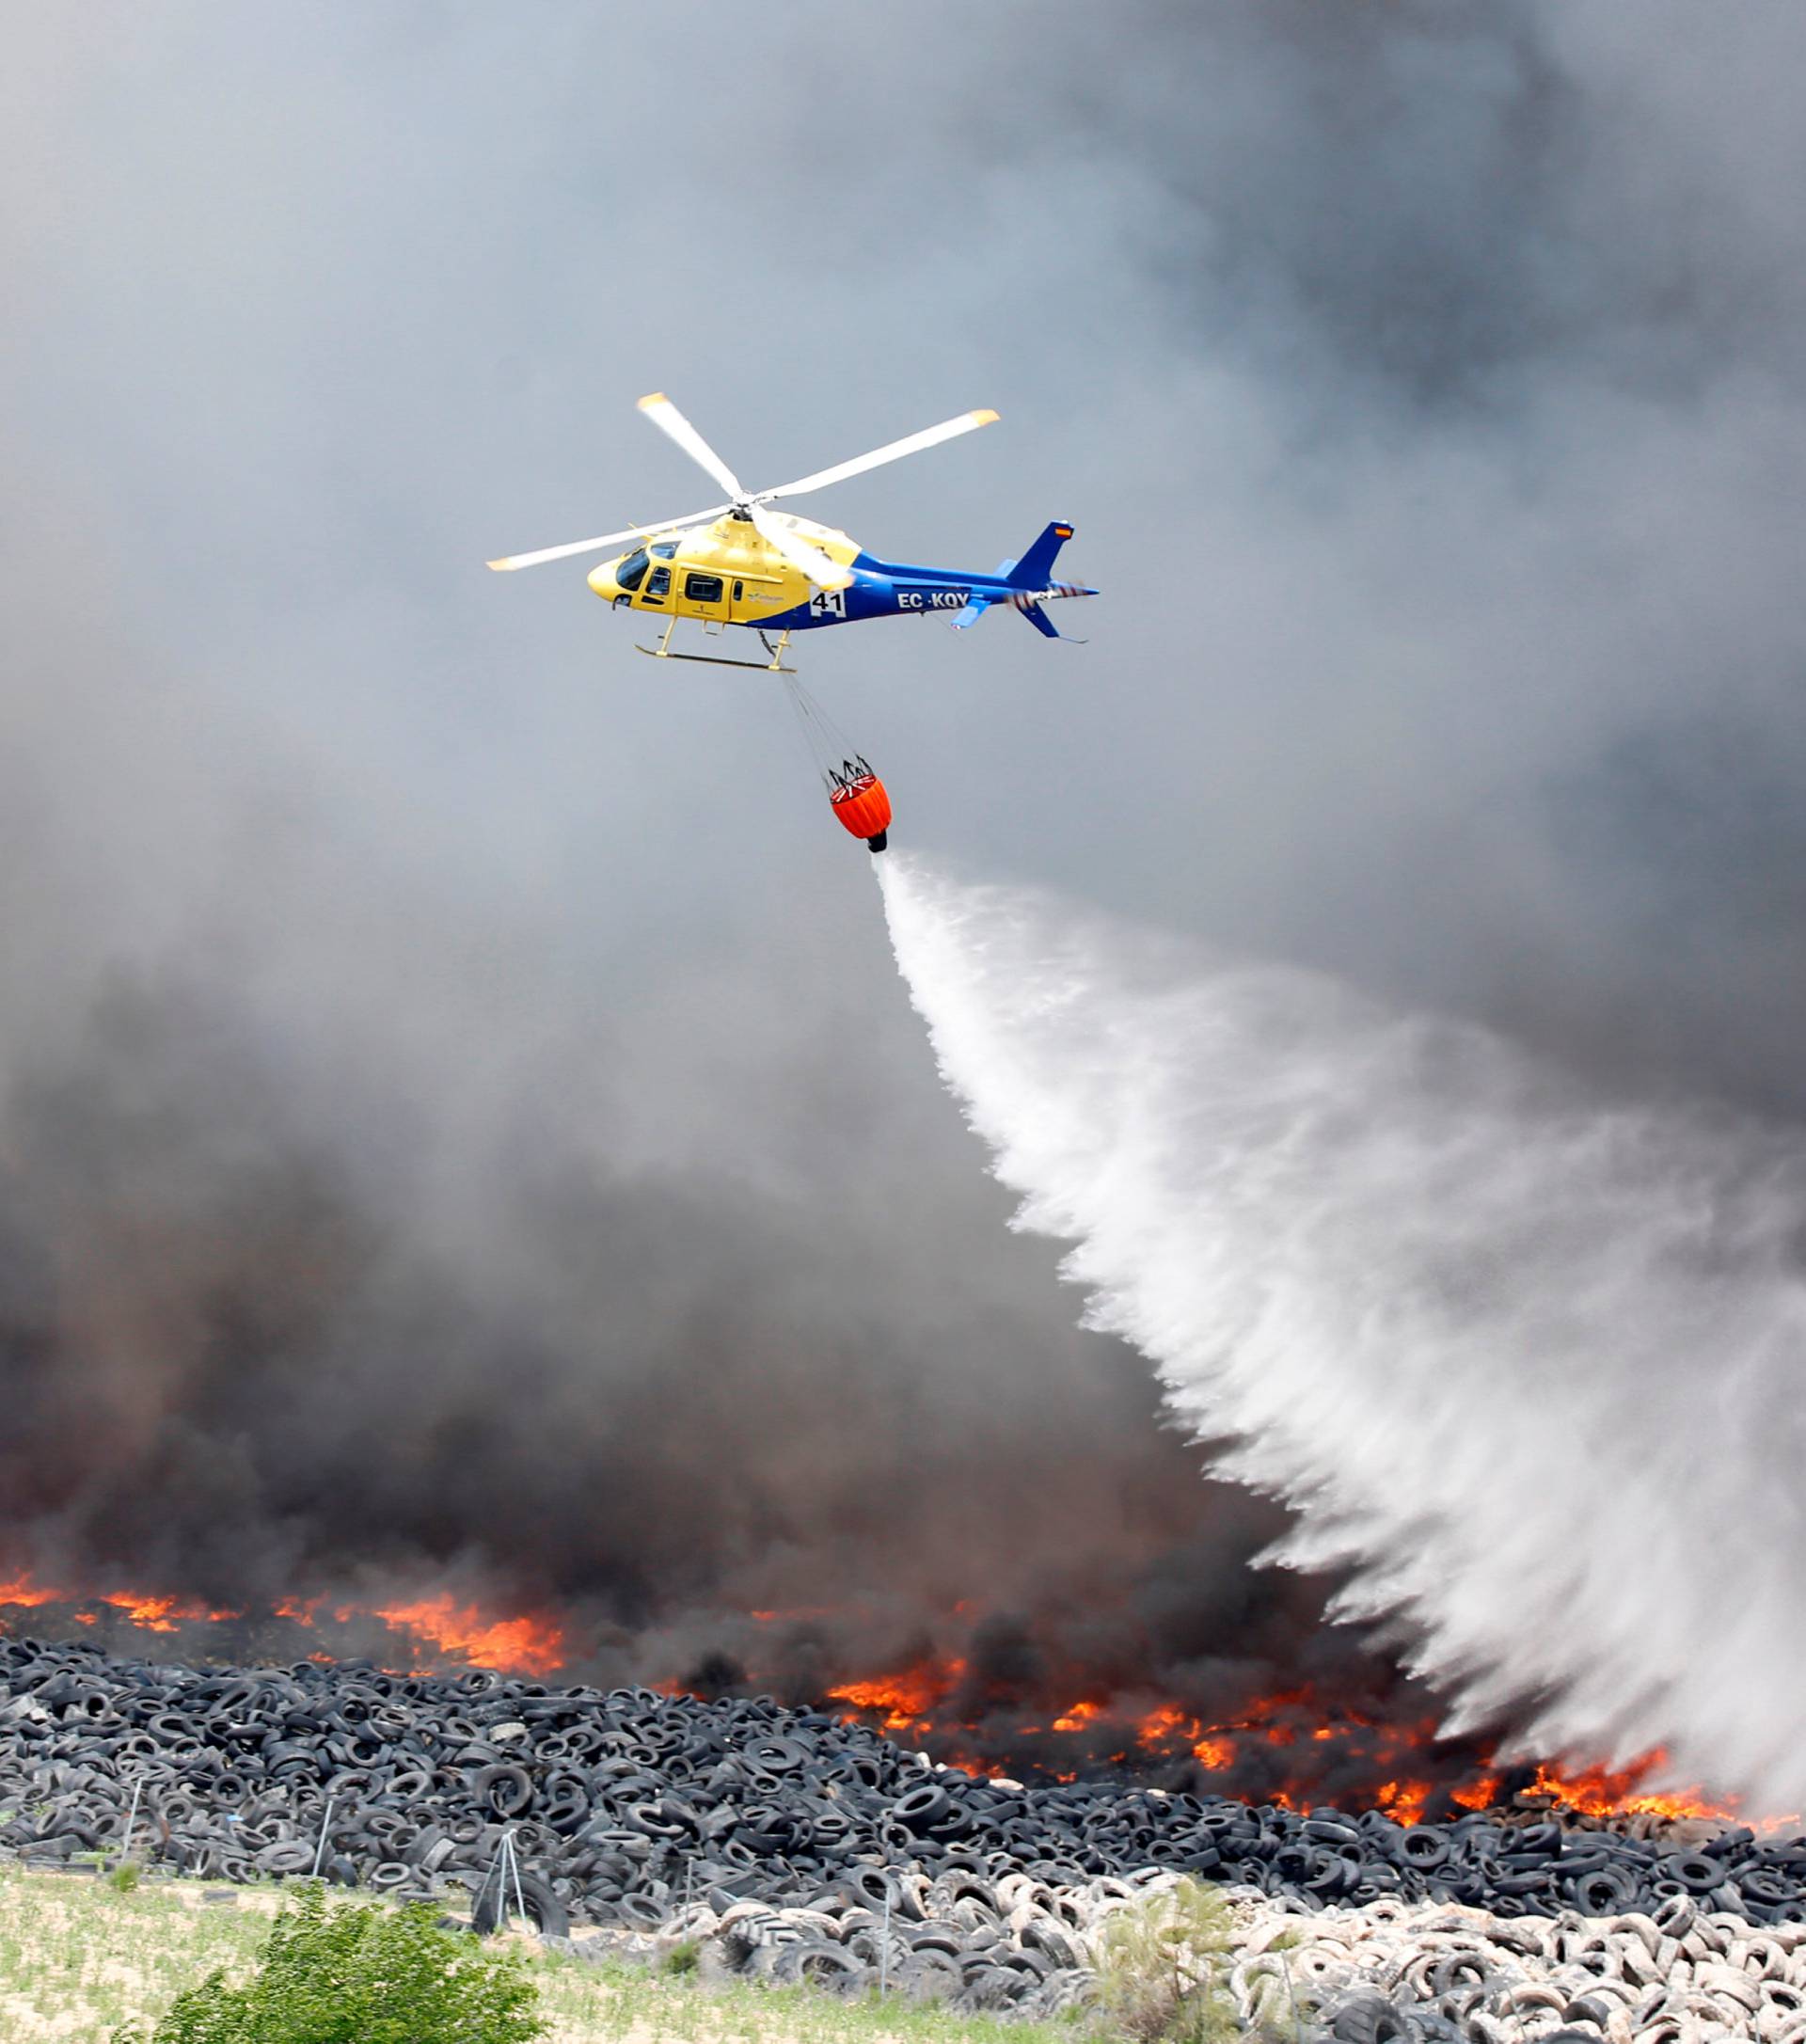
point(975, 609)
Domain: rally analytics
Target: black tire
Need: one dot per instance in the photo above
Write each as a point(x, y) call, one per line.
point(1370, 2020)
point(544, 1905)
point(1697, 1873)
point(1423, 1847)
point(831, 1966)
point(922, 1807)
point(1606, 1890)
point(504, 1789)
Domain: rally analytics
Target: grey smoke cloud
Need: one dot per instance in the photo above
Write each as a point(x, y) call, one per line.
point(386, 942)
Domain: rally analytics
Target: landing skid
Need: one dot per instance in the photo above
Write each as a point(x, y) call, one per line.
point(773, 666)
point(716, 659)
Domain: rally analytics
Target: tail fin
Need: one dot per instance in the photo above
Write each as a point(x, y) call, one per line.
point(1036, 568)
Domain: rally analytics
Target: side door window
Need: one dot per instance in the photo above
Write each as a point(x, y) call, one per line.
point(704, 594)
point(658, 586)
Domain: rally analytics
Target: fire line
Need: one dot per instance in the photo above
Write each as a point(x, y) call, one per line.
point(1282, 1748)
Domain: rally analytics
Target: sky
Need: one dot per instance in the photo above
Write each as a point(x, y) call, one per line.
point(456, 1110)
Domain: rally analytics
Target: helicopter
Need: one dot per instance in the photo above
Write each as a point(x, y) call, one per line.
point(743, 563)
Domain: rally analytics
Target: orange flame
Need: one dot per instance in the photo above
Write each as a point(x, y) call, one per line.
point(160, 1614)
point(23, 1591)
point(530, 1646)
point(526, 1645)
point(154, 1613)
point(915, 1702)
point(1161, 1724)
point(905, 1699)
point(1479, 1794)
point(1077, 1718)
point(1598, 1792)
point(1403, 1801)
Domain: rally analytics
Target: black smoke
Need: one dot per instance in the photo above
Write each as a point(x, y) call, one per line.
point(457, 1122)
point(698, 1442)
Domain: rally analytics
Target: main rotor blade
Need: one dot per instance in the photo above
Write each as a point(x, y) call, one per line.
point(800, 553)
point(929, 436)
point(668, 420)
point(607, 539)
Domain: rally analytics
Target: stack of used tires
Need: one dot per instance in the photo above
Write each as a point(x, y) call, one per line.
point(800, 1845)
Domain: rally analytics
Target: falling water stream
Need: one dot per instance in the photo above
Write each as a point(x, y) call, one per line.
point(1532, 1365)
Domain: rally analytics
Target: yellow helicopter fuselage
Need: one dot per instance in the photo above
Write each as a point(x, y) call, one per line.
point(729, 572)
point(720, 574)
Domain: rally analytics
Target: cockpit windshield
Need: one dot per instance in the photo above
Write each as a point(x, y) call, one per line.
point(632, 571)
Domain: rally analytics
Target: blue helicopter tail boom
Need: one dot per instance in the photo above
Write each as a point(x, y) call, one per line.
point(1031, 572)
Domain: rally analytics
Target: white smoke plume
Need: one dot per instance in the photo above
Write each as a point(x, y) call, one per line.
point(1528, 1362)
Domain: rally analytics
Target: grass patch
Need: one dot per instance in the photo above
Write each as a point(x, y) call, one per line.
point(329, 1973)
point(587, 2003)
point(79, 1959)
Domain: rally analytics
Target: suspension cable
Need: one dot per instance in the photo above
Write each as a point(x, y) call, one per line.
point(829, 745)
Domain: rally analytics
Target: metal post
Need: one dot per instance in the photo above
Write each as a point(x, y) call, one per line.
point(320, 1851)
point(499, 1869)
point(884, 1947)
point(131, 1817)
point(513, 1861)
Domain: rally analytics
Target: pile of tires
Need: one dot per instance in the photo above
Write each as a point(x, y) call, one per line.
point(1441, 1972)
point(800, 1845)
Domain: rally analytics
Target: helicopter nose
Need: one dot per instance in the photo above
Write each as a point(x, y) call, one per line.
point(602, 579)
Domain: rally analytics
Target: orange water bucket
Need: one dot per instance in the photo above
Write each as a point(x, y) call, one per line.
point(862, 807)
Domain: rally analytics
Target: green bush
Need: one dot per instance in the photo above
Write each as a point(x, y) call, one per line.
point(124, 1878)
point(360, 1973)
point(1162, 1964)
